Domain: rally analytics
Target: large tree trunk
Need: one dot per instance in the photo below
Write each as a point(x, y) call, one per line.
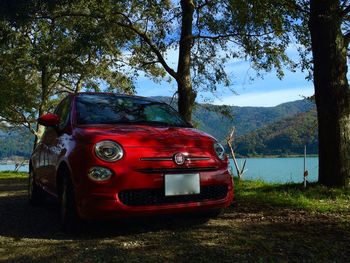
point(187, 95)
point(332, 93)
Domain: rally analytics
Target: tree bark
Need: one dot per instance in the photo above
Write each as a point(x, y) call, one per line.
point(332, 93)
point(187, 95)
point(44, 98)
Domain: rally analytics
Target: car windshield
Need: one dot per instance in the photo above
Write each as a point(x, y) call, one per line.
point(113, 109)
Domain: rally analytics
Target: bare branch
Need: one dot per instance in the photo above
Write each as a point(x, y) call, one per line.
point(229, 141)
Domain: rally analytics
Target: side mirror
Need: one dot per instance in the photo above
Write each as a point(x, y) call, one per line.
point(49, 120)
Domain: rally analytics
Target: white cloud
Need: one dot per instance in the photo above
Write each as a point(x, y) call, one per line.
point(266, 99)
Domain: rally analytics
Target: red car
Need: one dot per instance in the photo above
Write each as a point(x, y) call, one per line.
point(105, 155)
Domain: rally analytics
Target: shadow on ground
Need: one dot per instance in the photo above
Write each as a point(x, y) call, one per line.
point(21, 220)
point(244, 233)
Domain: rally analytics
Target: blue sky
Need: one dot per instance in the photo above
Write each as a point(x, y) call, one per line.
point(267, 91)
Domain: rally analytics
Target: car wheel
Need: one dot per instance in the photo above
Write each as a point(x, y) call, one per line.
point(68, 209)
point(36, 195)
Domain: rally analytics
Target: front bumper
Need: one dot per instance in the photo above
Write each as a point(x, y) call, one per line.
point(135, 176)
point(152, 201)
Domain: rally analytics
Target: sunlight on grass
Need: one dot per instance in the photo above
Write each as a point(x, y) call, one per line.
point(11, 174)
point(314, 198)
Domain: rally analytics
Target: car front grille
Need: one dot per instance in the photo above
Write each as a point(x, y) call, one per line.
point(145, 197)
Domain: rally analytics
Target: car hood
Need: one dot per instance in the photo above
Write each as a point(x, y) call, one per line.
point(145, 136)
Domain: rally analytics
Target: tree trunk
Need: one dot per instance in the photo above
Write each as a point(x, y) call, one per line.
point(43, 100)
point(187, 95)
point(332, 93)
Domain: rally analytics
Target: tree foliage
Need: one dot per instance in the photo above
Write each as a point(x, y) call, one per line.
point(205, 35)
point(284, 137)
point(42, 57)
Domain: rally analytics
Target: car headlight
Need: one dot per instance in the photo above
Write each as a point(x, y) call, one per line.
point(220, 151)
point(109, 151)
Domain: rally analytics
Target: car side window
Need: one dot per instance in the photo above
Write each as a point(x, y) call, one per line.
point(63, 111)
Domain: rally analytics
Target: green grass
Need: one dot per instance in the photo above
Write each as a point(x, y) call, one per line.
point(315, 197)
point(11, 174)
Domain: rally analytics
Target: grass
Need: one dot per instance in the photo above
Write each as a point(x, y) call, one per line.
point(315, 197)
point(11, 174)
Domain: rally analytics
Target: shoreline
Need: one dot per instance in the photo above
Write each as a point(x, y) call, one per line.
point(11, 162)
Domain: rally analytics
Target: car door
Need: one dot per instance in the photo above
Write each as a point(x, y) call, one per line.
point(53, 141)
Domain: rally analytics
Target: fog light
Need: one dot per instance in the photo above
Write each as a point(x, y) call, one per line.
point(99, 174)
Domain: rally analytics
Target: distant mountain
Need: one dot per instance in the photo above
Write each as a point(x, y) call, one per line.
point(208, 118)
point(245, 119)
point(258, 129)
point(284, 137)
point(15, 142)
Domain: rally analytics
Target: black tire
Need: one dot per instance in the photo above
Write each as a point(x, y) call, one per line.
point(36, 195)
point(68, 210)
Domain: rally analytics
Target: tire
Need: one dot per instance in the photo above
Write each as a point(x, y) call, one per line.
point(68, 210)
point(36, 195)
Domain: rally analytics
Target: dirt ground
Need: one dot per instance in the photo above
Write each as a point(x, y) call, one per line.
point(244, 233)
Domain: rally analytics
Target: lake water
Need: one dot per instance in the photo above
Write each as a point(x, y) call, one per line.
point(279, 170)
point(11, 167)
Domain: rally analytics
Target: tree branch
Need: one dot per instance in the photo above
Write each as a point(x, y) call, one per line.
point(129, 25)
point(347, 38)
point(153, 47)
point(149, 63)
point(77, 84)
point(216, 37)
point(25, 121)
point(345, 11)
point(206, 3)
point(294, 5)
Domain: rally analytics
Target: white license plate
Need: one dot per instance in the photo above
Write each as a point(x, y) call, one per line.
point(181, 184)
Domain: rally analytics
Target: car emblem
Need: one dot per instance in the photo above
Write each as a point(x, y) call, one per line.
point(179, 159)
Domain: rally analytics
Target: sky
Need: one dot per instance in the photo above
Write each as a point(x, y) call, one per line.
point(268, 91)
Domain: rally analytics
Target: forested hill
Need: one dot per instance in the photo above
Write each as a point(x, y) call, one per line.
point(261, 128)
point(15, 142)
point(246, 119)
point(284, 137)
point(208, 118)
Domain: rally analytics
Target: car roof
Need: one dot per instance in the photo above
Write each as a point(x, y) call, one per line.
point(116, 95)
